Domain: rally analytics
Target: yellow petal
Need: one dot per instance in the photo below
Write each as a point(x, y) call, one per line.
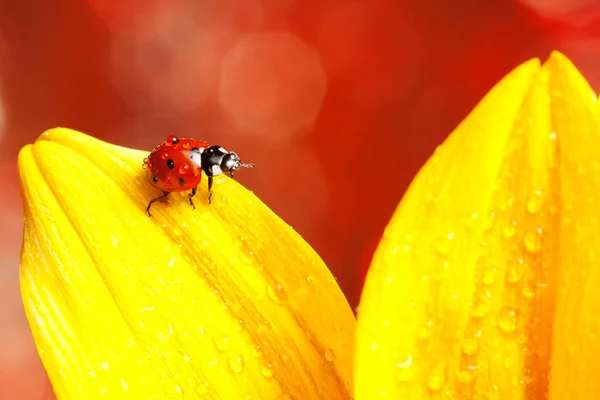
point(576, 339)
point(222, 302)
point(483, 276)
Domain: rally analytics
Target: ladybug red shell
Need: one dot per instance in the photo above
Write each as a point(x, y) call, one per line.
point(177, 164)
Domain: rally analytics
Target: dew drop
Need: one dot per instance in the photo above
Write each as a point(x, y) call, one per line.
point(183, 169)
point(329, 355)
point(507, 320)
point(515, 271)
point(471, 221)
point(527, 291)
point(443, 246)
point(482, 304)
point(533, 241)
point(266, 371)
point(470, 346)
point(534, 204)
point(277, 293)
point(465, 377)
point(404, 369)
point(236, 364)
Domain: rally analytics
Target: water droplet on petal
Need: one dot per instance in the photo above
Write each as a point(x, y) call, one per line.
point(266, 371)
point(404, 369)
point(470, 346)
point(482, 304)
point(507, 320)
point(533, 241)
point(515, 271)
point(329, 355)
point(465, 377)
point(236, 364)
point(443, 246)
point(276, 293)
point(534, 204)
point(527, 291)
point(510, 229)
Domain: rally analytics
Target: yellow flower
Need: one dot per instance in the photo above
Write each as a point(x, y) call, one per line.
point(222, 302)
point(486, 284)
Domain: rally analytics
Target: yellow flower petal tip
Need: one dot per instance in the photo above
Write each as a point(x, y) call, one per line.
point(222, 302)
point(484, 284)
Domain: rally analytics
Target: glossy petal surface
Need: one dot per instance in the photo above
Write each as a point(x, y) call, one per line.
point(485, 283)
point(222, 302)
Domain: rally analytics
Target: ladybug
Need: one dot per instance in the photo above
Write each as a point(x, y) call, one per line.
point(177, 164)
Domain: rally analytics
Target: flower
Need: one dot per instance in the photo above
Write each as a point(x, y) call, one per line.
point(486, 282)
point(225, 301)
point(483, 286)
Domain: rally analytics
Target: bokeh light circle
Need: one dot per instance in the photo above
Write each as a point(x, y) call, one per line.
point(272, 84)
point(171, 67)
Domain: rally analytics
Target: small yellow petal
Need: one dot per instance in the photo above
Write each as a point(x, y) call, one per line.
point(222, 302)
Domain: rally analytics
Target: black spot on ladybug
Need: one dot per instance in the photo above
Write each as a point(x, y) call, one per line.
point(154, 179)
point(181, 181)
point(170, 164)
point(174, 141)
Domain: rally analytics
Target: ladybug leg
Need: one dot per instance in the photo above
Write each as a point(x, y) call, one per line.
point(192, 194)
point(164, 195)
point(210, 182)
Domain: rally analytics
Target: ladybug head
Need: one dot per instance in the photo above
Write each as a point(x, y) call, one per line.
point(216, 160)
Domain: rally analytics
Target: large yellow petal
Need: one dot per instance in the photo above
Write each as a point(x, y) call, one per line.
point(484, 275)
point(222, 302)
point(576, 339)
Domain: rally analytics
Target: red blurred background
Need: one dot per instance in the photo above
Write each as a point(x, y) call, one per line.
point(338, 102)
